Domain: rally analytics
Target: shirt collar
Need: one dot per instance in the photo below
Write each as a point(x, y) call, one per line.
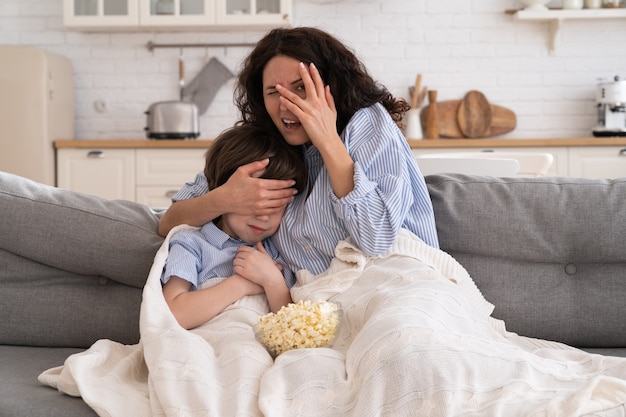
point(218, 238)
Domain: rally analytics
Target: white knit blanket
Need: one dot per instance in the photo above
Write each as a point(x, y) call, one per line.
point(416, 339)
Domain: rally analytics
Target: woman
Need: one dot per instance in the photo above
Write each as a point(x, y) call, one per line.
point(363, 179)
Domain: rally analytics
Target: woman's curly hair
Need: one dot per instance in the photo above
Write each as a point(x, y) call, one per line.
point(350, 84)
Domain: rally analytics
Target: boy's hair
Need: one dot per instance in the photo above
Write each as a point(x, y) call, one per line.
point(246, 143)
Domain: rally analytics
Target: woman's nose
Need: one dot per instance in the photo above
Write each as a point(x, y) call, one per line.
point(262, 217)
point(281, 104)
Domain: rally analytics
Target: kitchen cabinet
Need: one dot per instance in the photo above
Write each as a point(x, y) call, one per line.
point(161, 172)
point(148, 176)
point(574, 157)
point(252, 12)
point(100, 13)
point(598, 162)
point(557, 17)
point(108, 173)
point(559, 166)
point(151, 171)
point(174, 14)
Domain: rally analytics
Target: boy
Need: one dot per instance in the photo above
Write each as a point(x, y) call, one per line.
point(234, 246)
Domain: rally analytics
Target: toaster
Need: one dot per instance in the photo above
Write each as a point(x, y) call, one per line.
point(172, 120)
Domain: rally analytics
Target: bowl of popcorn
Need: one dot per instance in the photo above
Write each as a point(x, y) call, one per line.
point(305, 324)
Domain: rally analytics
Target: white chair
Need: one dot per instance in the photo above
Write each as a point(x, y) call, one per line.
point(531, 164)
point(471, 166)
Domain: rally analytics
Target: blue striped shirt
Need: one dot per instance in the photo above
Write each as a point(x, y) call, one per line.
point(389, 193)
point(199, 255)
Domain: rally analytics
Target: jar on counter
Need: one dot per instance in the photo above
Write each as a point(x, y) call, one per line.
point(612, 4)
point(572, 4)
point(593, 4)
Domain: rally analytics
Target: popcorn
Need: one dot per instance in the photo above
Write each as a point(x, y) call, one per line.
point(305, 324)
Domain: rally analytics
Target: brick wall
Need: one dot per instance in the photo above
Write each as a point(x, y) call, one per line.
point(457, 45)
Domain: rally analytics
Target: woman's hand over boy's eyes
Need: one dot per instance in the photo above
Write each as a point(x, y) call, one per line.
point(252, 196)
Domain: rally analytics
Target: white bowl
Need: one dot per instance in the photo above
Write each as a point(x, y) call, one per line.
point(572, 4)
point(306, 324)
point(535, 5)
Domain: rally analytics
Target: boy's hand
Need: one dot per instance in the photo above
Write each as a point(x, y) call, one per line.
point(247, 287)
point(256, 265)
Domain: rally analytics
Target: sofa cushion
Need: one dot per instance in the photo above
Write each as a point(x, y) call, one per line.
point(45, 306)
point(79, 233)
point(20, 392)
point(547, 252)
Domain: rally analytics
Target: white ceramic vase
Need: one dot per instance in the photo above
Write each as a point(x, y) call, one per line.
point(413, 128)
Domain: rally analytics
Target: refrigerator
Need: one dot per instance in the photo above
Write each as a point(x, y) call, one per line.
point(36, 108)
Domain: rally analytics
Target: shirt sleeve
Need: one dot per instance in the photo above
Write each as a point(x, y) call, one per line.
point(385, 187)
point(194, 189)
point(182, 261)
point(288, 274)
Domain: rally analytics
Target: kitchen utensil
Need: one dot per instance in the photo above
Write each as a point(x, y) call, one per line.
point(432, 116)
point(181, 73)
point(503, 120)
point(203, 88)
point(422, 97)
point(416, 91)
point(172, 120)
point(474, 115)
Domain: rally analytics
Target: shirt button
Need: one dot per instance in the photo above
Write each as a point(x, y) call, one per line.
point(307, 246)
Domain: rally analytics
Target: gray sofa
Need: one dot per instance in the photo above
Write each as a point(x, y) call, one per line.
point(548, 252)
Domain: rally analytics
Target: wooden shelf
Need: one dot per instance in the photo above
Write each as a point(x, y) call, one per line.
point(556, 17)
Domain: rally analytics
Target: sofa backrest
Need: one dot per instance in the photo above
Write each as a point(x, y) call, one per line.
point(549, 253)
point(72, 266)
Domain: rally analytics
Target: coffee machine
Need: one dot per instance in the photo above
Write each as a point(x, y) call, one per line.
point(611, 104)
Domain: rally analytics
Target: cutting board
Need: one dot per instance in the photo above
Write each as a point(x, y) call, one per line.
point(474, 115)
point(502, 120)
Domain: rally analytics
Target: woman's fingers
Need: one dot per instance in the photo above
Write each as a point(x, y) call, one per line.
point(316, 79)
point(313, 86)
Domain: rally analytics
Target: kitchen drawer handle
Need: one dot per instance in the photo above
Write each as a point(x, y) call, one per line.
point(170, 193)
point(95, 154)
point(622, 152)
